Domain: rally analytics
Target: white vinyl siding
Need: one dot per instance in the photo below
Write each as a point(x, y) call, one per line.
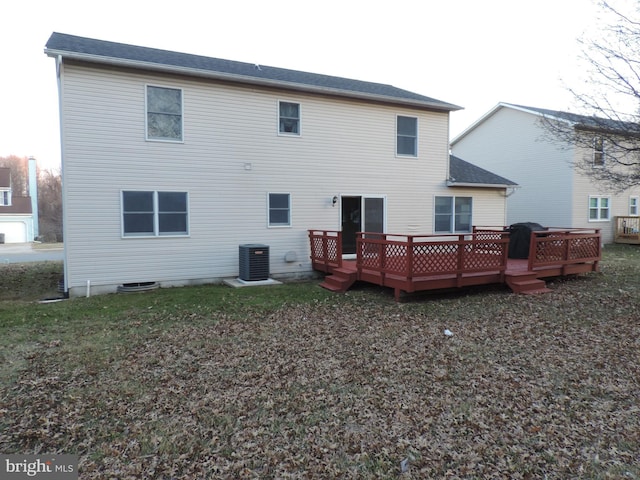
point(348, 147)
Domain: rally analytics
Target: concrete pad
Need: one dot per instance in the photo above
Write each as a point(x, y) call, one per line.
point(238, 282)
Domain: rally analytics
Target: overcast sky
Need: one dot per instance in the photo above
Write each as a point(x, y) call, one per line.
point(467, 52)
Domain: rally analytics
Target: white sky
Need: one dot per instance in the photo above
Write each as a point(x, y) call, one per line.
point(470, 53)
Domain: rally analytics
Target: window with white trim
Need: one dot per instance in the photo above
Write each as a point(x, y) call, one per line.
point(407, 136)
point(289, 118)
point(634, 204)
point(5, 198)
point(453, 214)
point(598, 152)
point(599, 208)
point(164, 113)
point(279, 209)
point(153, 214)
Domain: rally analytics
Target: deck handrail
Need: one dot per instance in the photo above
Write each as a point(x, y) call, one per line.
point(564, 246)
point(326, 249)
point(412, 256)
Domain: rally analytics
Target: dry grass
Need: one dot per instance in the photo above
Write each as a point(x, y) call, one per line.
point(295, 382)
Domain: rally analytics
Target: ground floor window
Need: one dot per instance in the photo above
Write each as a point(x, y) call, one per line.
point(452, 214)
point(634, 204)
point(279, 210)
point(152, 213)
point(599, 208)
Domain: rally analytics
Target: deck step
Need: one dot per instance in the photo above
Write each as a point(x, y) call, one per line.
point(527, 284)
point(340, 281)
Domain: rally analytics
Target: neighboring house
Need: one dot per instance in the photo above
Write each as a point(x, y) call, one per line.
point(18, 214)
point(171, 161)
point(513, 141)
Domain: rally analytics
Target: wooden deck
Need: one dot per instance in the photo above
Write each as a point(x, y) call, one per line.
point(411, 263)
point(627, 230)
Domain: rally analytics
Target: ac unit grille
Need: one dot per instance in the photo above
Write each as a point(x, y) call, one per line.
point(254, 262)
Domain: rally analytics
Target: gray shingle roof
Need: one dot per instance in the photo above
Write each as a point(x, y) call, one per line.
point(100, 51)
point(584, 121)
point(465, 173)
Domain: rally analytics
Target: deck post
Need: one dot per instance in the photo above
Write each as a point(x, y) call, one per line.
point(460, 252)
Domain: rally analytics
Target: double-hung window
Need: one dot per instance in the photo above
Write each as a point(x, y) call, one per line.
point(598, 152)
point(279, 210)
point(289, 118)
point(452, 214)
point(599, 208)
point(634, 205)
point(152, 214)
point(407, 136)
point(5, 198)
point(164, 114)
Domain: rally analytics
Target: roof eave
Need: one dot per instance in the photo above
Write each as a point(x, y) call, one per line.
point(452, 183)
point(440, 106)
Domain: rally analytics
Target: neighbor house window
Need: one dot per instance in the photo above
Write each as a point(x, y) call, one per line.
point(599, 208)
point(150, 213)
point(164, 113)
point(407, 132)
point(289, 118)
point(5, 198)
point(598, 152)
point(633, 206)
point(279, 209)
point(452, 214)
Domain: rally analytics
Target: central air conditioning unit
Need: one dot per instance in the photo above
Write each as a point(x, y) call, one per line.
point(254, 262)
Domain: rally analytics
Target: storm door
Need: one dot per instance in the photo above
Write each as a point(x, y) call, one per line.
point(360, 214)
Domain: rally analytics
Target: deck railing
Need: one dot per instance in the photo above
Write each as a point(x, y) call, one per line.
point(627, 229)
point(558, 246)
point(326, 249)
point(411, 256)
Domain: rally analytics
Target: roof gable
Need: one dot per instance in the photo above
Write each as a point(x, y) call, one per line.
point(462, 173)
point(99, 51)
point(585, 122)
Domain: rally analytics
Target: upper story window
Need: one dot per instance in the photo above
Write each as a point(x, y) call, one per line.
point(279, 210)
point(634, 205)
point(407, 136)
point(599, 208)
point(152, 214)
point(5, 198)
point(164, 113)
point(289, 118)
point(452, 214)
point(598, 152)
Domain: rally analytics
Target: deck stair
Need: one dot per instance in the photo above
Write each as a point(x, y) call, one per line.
point(340, 280)
point(526, 283)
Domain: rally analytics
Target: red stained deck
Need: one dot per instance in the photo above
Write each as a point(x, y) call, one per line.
point(412, 263)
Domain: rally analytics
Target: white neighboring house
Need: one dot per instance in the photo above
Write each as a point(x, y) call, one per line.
point(512, 141)
point(18, 214)
point(171, 161)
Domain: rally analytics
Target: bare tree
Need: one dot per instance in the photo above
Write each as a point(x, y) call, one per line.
point(19, 174)
point(607, 129)
point(50, 205)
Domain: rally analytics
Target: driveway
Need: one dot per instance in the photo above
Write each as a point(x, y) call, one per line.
point(30, 252)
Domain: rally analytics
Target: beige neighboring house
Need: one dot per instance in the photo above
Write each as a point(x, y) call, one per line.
point(511, 140)
point(17, 224)
point(171, 162)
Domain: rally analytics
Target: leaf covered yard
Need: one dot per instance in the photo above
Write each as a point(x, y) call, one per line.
point(295, 382)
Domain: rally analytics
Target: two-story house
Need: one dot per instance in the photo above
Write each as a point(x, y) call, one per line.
point(171, 161)
point(515, 141)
